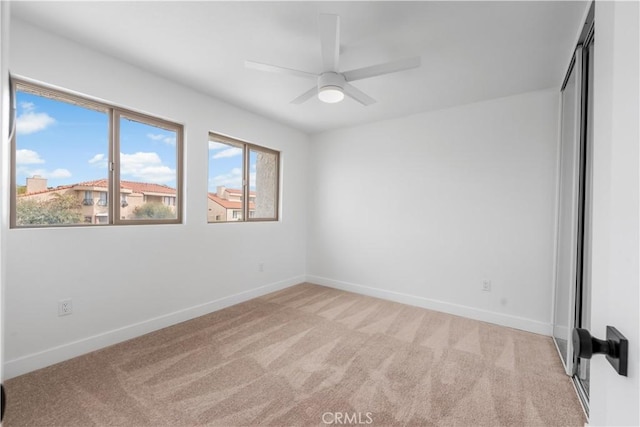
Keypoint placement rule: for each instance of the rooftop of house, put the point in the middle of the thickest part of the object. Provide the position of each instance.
(237, 191)
(132, 186)
(228, 204)
(126, 187)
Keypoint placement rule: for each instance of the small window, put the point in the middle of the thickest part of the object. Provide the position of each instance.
(88, 198)
(62, 169)
(243, 181)
(104, 199)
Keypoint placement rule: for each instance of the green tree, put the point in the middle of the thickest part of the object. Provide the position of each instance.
(60, 209)
(153, 211)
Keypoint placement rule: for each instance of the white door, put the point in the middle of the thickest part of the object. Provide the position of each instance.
(615, 261)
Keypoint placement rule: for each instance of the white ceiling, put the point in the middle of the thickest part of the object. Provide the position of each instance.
(470, 51)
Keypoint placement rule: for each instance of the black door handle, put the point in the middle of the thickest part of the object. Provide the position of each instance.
(615, 347)
(3, 401)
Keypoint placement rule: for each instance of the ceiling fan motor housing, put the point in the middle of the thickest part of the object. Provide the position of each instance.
(329, 79)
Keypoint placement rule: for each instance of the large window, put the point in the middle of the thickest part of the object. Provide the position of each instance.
(72, 155)
(243, 181)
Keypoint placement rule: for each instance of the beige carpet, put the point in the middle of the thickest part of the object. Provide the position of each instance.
(307, 355)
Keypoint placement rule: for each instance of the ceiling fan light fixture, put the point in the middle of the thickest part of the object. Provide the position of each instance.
(332, 86)
(330, 94)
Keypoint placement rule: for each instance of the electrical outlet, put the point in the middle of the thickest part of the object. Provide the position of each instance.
(486, 285)
(261, 267)
(65, 307)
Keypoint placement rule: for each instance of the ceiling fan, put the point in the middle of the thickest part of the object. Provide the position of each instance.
(332, 85)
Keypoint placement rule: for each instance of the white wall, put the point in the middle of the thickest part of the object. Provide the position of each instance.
(4, 155)
(616, 212)
(422, 209)
(148, 272)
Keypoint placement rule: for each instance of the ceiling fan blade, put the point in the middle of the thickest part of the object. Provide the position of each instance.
(358, 95)
(330, 41)
(306, 96)
(380, 69)
(275, 69)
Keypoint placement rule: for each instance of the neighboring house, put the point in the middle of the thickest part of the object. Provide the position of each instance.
(94, 196)
(226, 205)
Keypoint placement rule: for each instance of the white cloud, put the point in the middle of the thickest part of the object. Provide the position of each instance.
(229, 152)
(129, 163)
(27, 106)
(27, 123)
(157, 174)
(169, 140)
(155, 137)
(146, 167)
(30, 122)
(232, 179)
(27, 157)
(56, 173)
(213, 145)
(98, 158)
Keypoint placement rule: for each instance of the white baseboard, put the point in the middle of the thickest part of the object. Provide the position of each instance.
(31, 362)
(515, 322)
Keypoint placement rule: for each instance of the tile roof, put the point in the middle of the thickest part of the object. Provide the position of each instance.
(237, 191)
(228, 204)
(95, 183)
(145, 187)
(48, 190)
(135, 187)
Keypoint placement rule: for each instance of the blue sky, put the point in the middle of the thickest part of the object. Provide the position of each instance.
(225, 166)
(68, 144)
